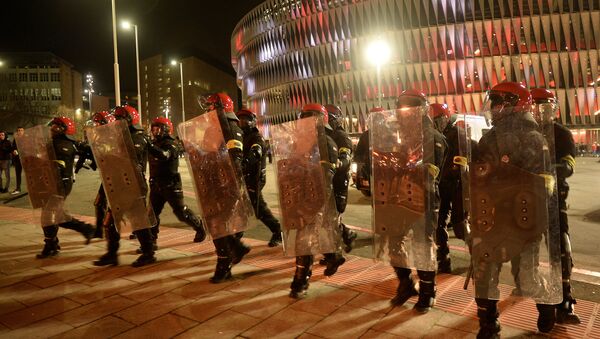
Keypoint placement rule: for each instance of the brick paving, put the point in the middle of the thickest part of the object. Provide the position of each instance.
(68, 297)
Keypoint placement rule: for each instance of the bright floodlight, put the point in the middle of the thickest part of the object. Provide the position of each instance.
(126, 24)
(378, 52)
(173, 62)
(1, 63)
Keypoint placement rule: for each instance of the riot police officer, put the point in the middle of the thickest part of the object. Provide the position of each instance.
(513, 145)
(434, 152)
(230, 249)
(62, 130)
(362, 156)
(450, 187)
(341, 177)
(144, 236)
(165, 181)
(255, 172)
(329, 159)
(546, 108)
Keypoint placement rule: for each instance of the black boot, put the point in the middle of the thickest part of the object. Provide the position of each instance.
(275, 240)
(107, 259)
(112, 245)
(84, 228)
(154, 231)
(348, 237)
(565, 312)
(334, 261)
(51, 247)
(546, 317)
(426, 291)
(223, 268)
(303, 272)
(238, 249)
(406, 287)
(147, 244)
(190, 218)
(489, 326)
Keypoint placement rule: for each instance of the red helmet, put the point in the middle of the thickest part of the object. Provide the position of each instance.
(67, 124)
(164, 123)
(546, 105)
(440, 110)
(513, 94)
(315, 109)
(102, 118)
(127, 113)
(246, 113)
(411, 98)
(220, 100)
(541, 95)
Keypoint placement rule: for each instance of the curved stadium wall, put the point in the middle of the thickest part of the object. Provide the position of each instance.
(290, 52)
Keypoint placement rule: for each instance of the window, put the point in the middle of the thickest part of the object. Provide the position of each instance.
(33, 77)
(54, 76)
(44, 77)
(12, 77)
(22, 76)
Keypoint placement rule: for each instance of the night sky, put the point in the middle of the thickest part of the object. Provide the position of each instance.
(80, 31)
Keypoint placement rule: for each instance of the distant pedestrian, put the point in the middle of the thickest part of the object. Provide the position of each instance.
(5, 155)
(16, 160)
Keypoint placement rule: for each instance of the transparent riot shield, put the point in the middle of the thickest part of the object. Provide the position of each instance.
(305, 191)
(403, 188)
(122, 179)
(470, 128)
(512, 204)
(220, 191)
(44, 183)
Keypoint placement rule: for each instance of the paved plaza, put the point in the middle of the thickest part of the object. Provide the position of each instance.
(68, 297)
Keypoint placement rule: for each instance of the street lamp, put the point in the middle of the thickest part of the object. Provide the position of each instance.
(89, 79)
(116, 64)
(127, 25)
(378, 53)
(1, 63)
(174, 63)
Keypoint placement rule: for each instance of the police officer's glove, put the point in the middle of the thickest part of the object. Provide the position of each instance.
(565, 167)
(550, 183)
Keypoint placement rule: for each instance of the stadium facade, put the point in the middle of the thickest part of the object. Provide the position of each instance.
(290, 52)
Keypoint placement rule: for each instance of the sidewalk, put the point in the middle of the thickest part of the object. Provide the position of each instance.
(68, 297)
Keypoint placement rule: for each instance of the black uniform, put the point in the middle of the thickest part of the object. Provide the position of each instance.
(255, 175)
(230, 249)
(165, 185)
(64, 150)
(341, 179)
(304, 263)
(451, 202)
(100, 203)
(565, 165)
(141, 145)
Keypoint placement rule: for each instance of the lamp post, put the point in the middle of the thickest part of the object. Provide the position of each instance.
(116, 64)
(127, 25)
(378, 53)
(89, 79)
(174, 63)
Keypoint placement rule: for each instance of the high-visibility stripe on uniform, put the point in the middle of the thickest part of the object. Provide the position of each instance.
(345, 150)
(569, 160)
(235, 144)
